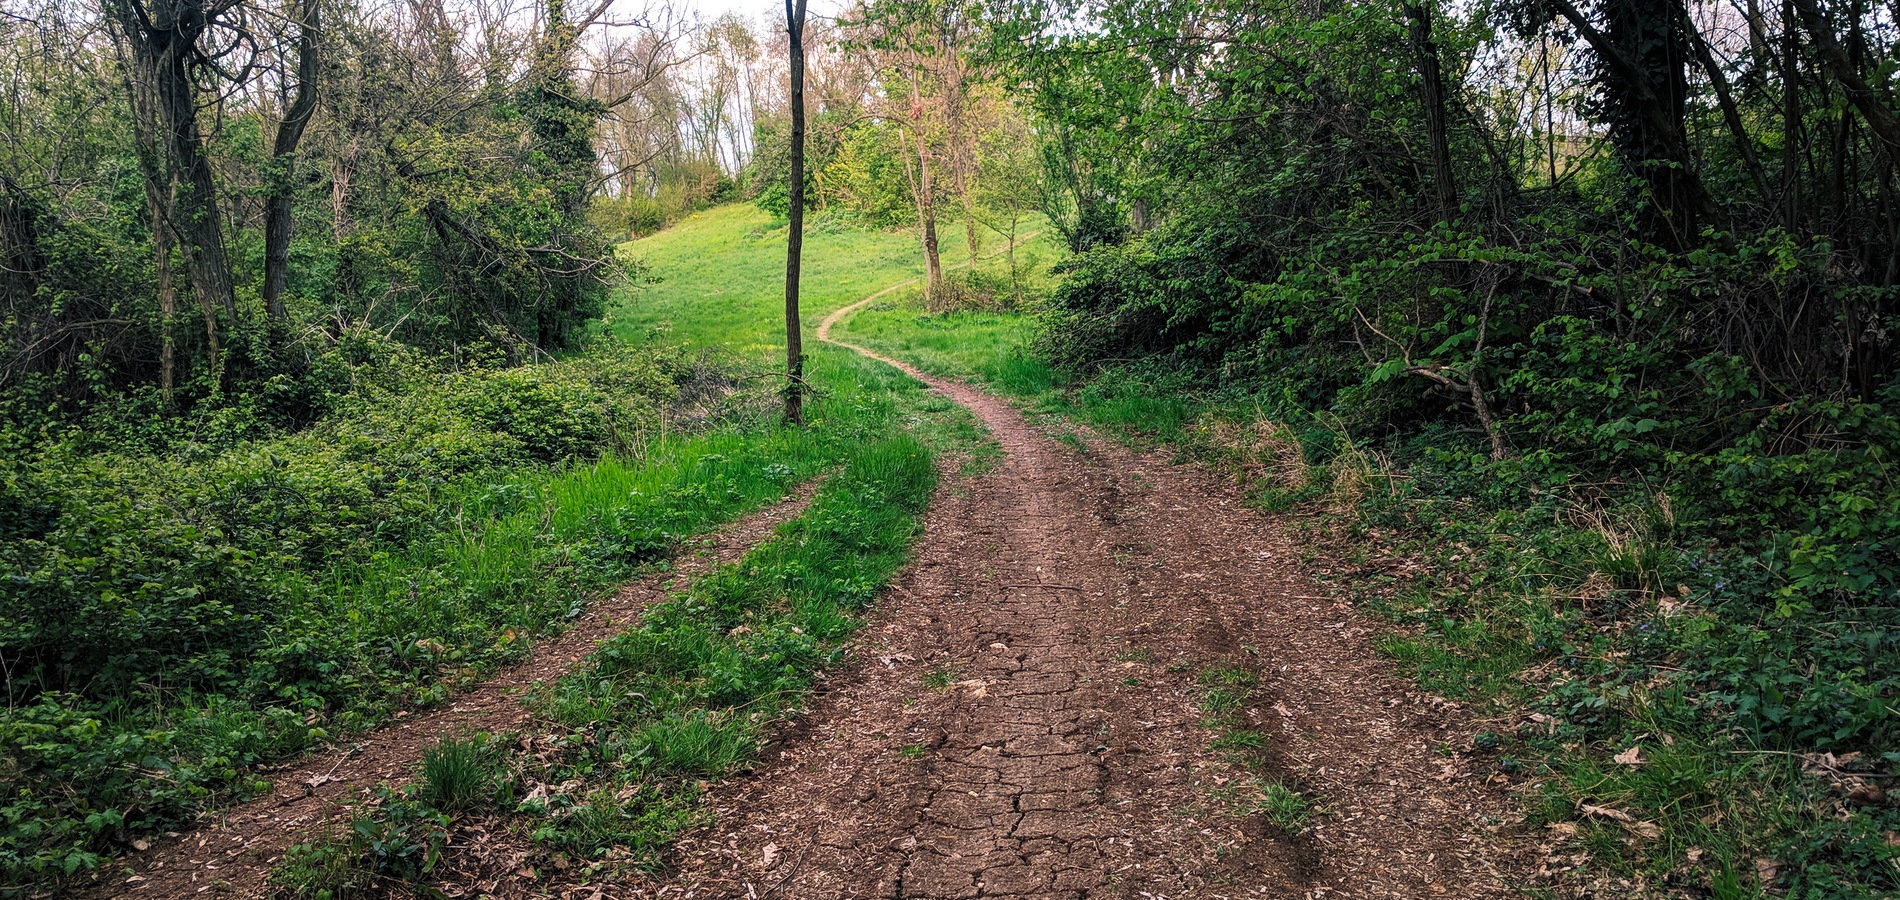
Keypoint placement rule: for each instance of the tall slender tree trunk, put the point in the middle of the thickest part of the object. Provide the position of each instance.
(282, 181)
(795, 237)
(195, 213)
(962, 164)
(167, 301)
(926, 203)
(967, 196)
(1433, 80)
(1790, 120)
(342, 172)
(164, 237)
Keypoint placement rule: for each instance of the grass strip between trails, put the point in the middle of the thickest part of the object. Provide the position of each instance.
(689, 694)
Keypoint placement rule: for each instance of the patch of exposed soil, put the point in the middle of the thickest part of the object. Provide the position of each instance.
(231, 854)
(1022, 716)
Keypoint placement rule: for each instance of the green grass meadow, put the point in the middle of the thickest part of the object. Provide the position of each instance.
(716, 280)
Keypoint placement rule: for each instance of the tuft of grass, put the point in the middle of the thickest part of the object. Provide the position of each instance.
(940, 679)
(698, 742)
(461, 773)
(1135, 654)
(1239, 740)
(1218, 702)
(1286, 808)
(1227, 689)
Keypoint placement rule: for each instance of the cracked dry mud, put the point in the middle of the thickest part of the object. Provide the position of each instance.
(1022, 717)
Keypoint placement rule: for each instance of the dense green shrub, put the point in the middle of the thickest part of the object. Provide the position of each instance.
(171, 570)
(1661, 515)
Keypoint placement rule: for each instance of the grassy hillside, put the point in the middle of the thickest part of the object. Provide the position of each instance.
(717, 279)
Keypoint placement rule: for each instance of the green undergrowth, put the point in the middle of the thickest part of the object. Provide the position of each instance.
(188, 601)
(1594, 617)
(624, 744)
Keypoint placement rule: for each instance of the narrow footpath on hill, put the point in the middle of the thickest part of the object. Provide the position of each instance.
(1024, 714)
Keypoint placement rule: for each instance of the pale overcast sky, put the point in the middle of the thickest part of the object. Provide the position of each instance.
(756, 10)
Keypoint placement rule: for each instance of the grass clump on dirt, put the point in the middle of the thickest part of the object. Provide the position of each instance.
(463, 772)
(1285, 807)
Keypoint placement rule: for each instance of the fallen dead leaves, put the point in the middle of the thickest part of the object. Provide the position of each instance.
(1847, 774)
(1645, 830)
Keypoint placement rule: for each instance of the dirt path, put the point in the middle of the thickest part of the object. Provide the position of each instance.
(1023, 718)
(231, 855)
